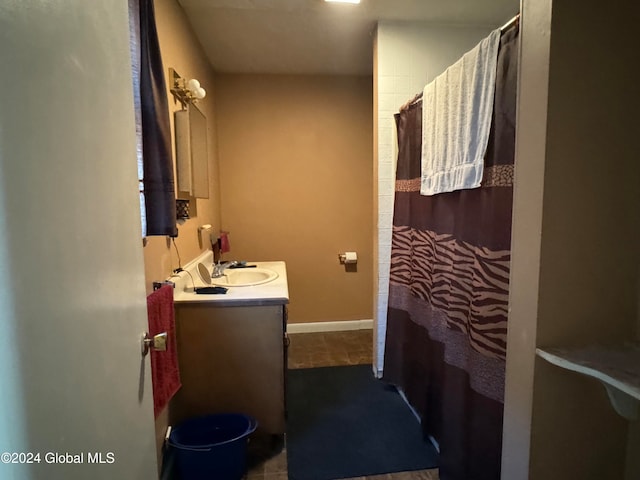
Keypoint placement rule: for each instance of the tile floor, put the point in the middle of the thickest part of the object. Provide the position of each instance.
(330, 349)
(310, 350)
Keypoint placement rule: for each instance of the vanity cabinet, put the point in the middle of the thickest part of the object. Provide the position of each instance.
(232, 359)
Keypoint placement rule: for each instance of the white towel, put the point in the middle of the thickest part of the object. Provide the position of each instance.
(456, 119)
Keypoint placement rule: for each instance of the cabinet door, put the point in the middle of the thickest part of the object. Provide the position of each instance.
(231, 360)
(285, 353)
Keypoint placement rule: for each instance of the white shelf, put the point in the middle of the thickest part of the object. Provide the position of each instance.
(618, 368)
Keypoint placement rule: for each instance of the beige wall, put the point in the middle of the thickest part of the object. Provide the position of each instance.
(576, 238)
(181, 51)
(296, 182)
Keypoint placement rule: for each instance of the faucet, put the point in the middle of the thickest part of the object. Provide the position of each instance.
(219, 268)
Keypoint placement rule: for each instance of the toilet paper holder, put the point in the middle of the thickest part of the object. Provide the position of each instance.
(348, 257)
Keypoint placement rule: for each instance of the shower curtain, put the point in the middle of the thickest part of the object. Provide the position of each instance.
(449, 286)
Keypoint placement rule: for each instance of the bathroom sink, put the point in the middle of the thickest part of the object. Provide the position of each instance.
(245, 277)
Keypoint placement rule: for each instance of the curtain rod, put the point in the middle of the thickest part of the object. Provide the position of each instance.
(510, 23)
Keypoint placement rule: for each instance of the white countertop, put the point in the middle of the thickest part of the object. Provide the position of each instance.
(275, 292)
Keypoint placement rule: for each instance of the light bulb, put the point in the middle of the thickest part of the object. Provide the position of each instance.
(200, 93)
(193, 85)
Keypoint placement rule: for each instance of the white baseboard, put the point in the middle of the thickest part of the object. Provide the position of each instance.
(342, 326)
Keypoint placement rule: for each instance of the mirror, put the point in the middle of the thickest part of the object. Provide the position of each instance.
(191, 152)
(204, 274)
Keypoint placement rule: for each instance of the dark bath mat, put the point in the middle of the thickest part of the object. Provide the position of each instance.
(342, 422)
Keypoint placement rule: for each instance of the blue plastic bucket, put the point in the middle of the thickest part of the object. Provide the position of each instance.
(212, 447)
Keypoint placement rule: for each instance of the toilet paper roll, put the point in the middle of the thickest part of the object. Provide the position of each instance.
(350, 257)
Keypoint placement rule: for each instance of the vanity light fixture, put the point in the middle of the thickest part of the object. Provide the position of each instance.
(185, 91)
(354, 2)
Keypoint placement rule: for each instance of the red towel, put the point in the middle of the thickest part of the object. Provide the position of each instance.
(224, 242)
(164, 365)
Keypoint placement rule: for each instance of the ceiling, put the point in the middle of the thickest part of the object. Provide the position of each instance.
(315, 37)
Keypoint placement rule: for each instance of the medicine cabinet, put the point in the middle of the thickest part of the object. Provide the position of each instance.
(191, 152)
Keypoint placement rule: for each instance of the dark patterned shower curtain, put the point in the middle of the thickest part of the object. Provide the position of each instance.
(449, 286)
